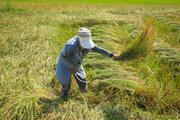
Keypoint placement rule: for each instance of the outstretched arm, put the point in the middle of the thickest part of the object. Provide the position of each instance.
(103, 52)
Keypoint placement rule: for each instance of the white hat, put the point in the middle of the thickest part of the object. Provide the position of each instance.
(85, 38)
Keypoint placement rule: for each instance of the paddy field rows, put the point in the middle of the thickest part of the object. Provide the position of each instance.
(142, 84)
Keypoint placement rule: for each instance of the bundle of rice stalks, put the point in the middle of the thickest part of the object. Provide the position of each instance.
(141, 46)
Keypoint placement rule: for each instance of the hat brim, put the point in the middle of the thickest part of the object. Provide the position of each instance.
(86, 42)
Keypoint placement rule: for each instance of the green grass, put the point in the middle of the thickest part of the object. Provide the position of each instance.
(141, 88)
(168, 29)
(108, 1)
(156, 73)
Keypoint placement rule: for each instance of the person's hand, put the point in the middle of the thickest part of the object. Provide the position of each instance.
(73, 69)
(115, 57)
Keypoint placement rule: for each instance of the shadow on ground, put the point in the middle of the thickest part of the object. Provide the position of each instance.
(50, 105)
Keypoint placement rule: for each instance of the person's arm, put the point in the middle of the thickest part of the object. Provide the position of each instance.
(66, 51)
(102, 51)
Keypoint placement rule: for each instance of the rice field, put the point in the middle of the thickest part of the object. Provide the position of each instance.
(105, 1)
(144, 84)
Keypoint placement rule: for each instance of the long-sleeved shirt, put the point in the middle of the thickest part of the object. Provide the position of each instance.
(70, 57)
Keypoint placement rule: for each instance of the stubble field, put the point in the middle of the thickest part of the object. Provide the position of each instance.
(144, 84)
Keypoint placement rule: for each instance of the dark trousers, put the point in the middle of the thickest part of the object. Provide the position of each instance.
(83, 86)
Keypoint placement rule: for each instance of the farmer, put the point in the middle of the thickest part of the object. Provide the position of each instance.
(71, 58)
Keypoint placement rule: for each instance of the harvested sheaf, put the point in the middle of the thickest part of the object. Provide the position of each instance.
(141, 46)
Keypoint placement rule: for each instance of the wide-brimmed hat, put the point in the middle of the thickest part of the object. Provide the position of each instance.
(85, 38)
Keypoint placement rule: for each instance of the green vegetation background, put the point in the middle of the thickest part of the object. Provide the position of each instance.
(106, 1)
(136, 87)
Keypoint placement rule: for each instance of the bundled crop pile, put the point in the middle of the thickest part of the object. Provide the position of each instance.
(141, 46)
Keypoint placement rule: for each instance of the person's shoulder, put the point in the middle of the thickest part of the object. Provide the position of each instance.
(73, 41)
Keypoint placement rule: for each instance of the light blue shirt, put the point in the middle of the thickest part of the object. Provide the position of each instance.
(70, 57)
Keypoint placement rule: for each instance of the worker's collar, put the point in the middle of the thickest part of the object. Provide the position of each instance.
(80, 47)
